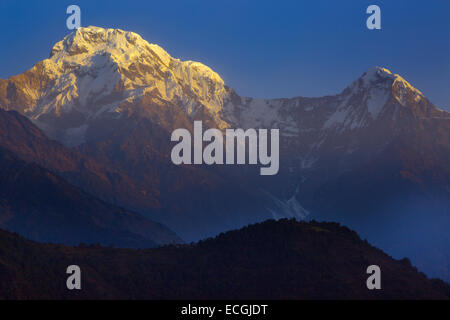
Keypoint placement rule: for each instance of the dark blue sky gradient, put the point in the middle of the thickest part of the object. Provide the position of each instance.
(260, 48)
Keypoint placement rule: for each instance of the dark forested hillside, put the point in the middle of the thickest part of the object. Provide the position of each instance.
(42, 206)
(271, 260)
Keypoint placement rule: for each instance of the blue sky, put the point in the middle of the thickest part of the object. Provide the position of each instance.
(260, 48)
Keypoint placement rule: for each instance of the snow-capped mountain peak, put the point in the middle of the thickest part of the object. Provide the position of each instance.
(96, 73)
(93, 71)
(91, 39)
(379, 78)
(375, 74)
(377, 92)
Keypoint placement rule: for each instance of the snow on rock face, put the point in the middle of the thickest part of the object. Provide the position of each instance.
(94, 73)
(366, 99)
(363, 102)
(377, 100)
(376, 74)
(382, 78)
(94, 67)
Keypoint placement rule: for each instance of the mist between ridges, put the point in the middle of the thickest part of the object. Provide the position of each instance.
(238, 144)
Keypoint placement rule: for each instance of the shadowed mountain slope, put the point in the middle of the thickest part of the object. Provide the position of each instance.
(42, 206)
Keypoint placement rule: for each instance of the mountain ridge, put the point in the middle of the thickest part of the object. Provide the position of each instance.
(112, 68)
(270, 260)
(44, 207)
(374, 156)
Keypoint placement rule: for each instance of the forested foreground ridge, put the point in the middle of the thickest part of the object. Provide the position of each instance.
(282, 259)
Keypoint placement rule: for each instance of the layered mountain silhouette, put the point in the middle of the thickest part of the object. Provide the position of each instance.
(271, 260)
(22, 137)
(375, 156)
(41, 205)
